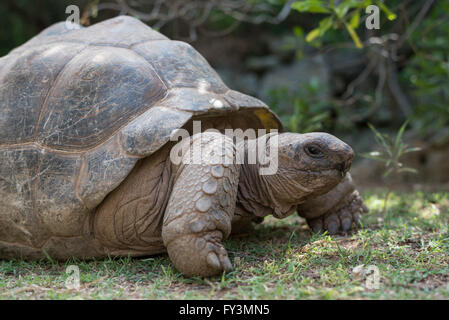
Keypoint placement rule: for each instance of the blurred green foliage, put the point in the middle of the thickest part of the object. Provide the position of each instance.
(392, 150)
(391, 153)
(20, 20)
(424, 57)
(340, 14)
(427, 71)
(14, 30)
(422, 61)
(310, 112)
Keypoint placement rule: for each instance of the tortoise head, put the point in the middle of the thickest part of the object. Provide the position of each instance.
(309, 165)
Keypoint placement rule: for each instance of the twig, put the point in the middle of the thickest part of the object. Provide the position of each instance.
(195, 13)
(396, 90)
(415, 23)
(359, 80)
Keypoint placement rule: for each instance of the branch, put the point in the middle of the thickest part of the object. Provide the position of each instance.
(415, 23)
(195, 13)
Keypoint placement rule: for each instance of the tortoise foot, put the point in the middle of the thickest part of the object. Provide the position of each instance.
(342, 218)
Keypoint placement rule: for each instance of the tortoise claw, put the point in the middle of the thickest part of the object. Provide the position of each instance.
(219, 262)
(341, 219)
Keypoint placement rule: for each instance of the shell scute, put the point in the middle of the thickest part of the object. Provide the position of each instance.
(98, 92)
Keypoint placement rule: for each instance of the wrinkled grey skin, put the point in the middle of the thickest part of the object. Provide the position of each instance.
(85, 171)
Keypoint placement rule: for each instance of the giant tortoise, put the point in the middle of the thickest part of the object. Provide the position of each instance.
(87, 118)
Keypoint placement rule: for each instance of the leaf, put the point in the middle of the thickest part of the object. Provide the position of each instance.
(400, 134)
(355, 19)
(388, 172)
(373, 155)
(319, 117)
(410, 170)
(312, 6)
(313, 34)
(325, 24)
(345, 5)
(298, 31)
(390, 15)
(343, 8)
(379, 137)
(400, 150)
(413, 149)
(354, 36)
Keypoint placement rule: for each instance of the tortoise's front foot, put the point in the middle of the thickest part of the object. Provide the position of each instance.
(202, 255)
(336, 211)
(343, 217)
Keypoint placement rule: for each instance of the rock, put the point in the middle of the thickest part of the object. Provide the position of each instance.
(345, 62)
(358, 273)
(432, 160)
(246, 82)
(262, 64)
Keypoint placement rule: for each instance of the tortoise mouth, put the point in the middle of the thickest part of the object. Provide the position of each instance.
(325, 180)
(337, 173)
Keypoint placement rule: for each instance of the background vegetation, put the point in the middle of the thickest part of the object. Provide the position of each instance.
(404, 64)
(356, 75)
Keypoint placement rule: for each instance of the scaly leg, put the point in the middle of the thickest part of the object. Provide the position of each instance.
(200, 210)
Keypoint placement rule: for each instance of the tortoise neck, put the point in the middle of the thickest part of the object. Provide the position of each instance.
(251, 194)
(257, 193)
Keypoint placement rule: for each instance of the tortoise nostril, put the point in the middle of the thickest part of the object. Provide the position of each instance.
(344, 166)
(340, 166)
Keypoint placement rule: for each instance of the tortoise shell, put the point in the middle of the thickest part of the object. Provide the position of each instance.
(79, 108)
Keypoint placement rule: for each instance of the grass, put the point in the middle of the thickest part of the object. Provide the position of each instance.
(281, 260)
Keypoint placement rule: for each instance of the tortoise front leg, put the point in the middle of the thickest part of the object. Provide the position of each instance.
(336, 211)
(199, 213)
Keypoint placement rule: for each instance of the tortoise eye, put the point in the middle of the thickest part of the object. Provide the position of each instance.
(314, 151)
